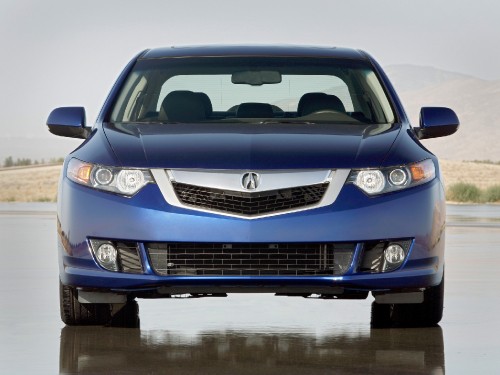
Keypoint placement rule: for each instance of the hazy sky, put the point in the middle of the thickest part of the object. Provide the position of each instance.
(62, 53)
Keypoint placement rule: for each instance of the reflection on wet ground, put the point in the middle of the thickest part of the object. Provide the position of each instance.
(247, 334)
(473, 215)
(104, 351)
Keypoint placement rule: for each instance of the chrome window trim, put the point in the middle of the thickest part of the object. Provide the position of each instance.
(231, 180)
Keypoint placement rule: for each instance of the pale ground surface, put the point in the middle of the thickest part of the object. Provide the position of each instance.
(39, 184)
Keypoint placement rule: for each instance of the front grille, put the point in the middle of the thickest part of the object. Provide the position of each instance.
(256, 259)
(249, 204)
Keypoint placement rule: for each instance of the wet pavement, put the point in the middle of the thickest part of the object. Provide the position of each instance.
(247, 334)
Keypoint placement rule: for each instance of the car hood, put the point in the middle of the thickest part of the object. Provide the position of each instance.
(250, 146)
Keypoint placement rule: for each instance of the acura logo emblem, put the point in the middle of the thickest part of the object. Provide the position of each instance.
(250, 180)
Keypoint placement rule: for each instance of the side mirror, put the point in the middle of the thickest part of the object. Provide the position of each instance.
(68, 122)
(437, 122)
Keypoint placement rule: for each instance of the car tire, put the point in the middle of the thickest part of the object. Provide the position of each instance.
(74, 313)
(426, 314)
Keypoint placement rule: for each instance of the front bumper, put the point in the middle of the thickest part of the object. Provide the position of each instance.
(416, 213)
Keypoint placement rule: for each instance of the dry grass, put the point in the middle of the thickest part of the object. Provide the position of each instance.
(36, 184)
(39, 184)
(480, 174)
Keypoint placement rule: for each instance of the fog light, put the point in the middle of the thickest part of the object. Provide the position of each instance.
(394, 254)
(106, 255)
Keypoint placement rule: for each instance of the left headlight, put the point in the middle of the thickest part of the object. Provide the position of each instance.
(385, 180)
(124, 181)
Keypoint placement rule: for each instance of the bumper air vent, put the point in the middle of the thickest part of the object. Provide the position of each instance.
(253, 259)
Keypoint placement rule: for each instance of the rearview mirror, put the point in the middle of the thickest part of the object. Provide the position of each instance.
(437, 122)
(68, 122)
(256, 77)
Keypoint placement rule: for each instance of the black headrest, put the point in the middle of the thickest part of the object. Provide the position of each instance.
(314, 102)
(183, 106)
(307, 97)
(254, 110)
(206, 102)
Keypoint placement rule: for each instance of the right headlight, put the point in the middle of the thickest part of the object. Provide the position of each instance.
(123, 181)
(385, 180)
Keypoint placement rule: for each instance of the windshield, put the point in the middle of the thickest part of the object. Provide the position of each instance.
(252, 90)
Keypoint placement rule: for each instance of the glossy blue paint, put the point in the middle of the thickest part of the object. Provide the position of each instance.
(410, 214)
(270, 147)
(420, 277)
(416, 213)
(147, 217)
(96, 149)
(437, 122)
(431, 117)
(67, 116)
(252, 50)
(406, 149)
(67, 122)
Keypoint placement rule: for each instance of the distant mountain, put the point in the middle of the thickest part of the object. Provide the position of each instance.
(476, 102)
(406, 77)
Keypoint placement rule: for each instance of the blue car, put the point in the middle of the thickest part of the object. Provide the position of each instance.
(251, 169)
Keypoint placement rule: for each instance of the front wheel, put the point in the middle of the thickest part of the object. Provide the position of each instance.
(426, 314)
(74, 313)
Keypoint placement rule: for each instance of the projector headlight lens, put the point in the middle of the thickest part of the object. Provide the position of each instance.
(397, 177)
(103, 176)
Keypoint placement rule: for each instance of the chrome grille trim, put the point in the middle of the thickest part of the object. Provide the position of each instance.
(231, 181)
(250, 204)
(250, 259)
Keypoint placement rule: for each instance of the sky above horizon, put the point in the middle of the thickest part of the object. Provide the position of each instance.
(64, 53)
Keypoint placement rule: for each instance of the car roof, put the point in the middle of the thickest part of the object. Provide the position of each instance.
(252, 50)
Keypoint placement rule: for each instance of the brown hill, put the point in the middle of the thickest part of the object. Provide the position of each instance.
(476, 102)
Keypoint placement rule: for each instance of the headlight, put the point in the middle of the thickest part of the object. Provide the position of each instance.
(122, 181)
(379, 181)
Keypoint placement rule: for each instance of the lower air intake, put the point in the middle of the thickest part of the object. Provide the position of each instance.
(255, 259)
